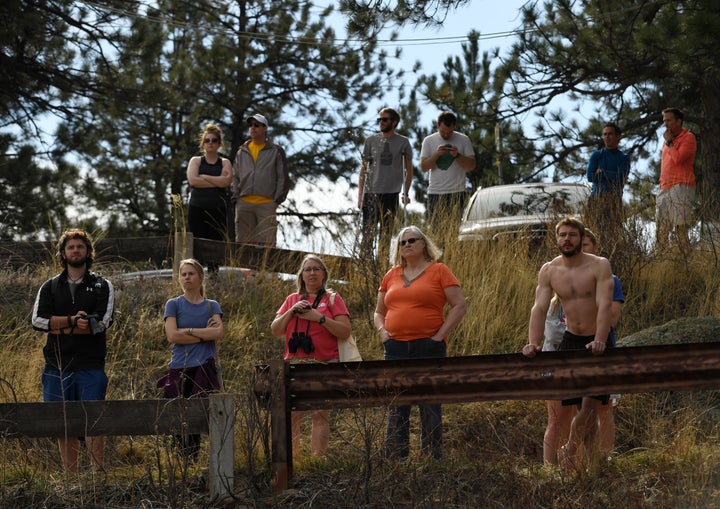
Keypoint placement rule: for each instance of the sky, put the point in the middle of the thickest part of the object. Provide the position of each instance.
(430, 47)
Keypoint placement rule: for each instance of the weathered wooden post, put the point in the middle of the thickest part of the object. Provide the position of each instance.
(222, 445)
(182, 248)
(183, 239)
(214, 415)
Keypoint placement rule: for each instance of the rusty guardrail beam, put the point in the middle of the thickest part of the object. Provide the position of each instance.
(551, 375)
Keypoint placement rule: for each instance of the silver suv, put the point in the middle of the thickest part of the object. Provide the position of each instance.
(520, 210)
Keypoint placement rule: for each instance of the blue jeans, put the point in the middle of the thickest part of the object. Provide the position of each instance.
(85, 385)
(397, 444)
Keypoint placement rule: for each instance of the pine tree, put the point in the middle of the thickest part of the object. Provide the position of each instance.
(631, 60)
(183, 64)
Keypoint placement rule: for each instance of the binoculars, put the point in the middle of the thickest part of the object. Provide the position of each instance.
(300, 340)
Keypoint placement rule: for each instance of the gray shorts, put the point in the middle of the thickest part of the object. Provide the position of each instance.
(674, 206)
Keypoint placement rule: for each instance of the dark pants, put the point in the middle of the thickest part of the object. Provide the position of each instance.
(397, 444)
(378, 216)
(209, 224)
(197, 381)
(572, 341)
(445, 206)
(605, 216)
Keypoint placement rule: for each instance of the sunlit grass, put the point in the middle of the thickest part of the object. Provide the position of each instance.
(667, 452)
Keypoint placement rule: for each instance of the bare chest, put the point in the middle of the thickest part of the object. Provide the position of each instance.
(573, 284)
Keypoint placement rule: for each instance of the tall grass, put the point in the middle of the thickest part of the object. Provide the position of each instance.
(667, 454)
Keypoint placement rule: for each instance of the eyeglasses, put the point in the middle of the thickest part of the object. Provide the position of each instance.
(307, 270)
(211, 140)
(411, 240)
(447, 122)
(384, 119)
(256, 125)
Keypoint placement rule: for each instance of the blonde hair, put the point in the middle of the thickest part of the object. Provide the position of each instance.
(198, 267)
(301, 283)
(431, 252)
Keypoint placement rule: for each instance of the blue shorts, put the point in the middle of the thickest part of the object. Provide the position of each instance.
(87, 385)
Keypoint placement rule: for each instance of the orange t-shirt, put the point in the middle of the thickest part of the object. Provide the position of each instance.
(416, 310)
(677, 161)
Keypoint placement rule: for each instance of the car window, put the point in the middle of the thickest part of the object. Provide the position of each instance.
(526, 201)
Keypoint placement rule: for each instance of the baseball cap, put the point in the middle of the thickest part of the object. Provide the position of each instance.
(258, 118)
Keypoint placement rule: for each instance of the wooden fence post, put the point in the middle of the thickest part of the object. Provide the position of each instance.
(182, 248)
(222, 445)
(214, 415)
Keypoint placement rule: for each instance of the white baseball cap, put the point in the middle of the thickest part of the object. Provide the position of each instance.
(259, 118)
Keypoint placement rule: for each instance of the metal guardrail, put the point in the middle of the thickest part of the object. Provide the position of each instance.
(551, 375)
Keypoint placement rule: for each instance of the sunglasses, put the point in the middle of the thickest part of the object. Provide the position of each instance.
(411, 240)
(384, 119)
(313, 269)
(211, 140)
(75, 233)
(256, 125)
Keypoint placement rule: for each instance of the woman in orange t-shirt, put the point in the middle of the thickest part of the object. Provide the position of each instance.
(410, 317)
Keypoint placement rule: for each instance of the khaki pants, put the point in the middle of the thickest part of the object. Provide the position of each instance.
(256, 223)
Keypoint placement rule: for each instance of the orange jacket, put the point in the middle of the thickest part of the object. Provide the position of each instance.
(677, 161)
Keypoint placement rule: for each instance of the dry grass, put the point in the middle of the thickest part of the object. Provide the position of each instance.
(668, 452)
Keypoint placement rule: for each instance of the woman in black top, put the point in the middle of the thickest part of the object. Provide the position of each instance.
(209, 175)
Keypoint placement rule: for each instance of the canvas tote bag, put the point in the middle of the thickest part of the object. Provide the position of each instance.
(347, 347)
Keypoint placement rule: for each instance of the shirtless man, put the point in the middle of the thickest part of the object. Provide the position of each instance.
(584, 284)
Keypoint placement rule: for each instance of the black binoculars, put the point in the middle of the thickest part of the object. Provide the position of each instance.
(300, 340)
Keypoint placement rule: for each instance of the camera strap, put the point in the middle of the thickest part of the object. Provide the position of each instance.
(314, 306)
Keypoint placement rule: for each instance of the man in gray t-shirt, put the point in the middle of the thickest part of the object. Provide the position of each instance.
(386, 170)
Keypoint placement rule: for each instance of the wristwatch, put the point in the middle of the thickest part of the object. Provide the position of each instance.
(322, 320)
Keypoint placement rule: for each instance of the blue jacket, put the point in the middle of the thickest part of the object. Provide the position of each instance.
(615, 166)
